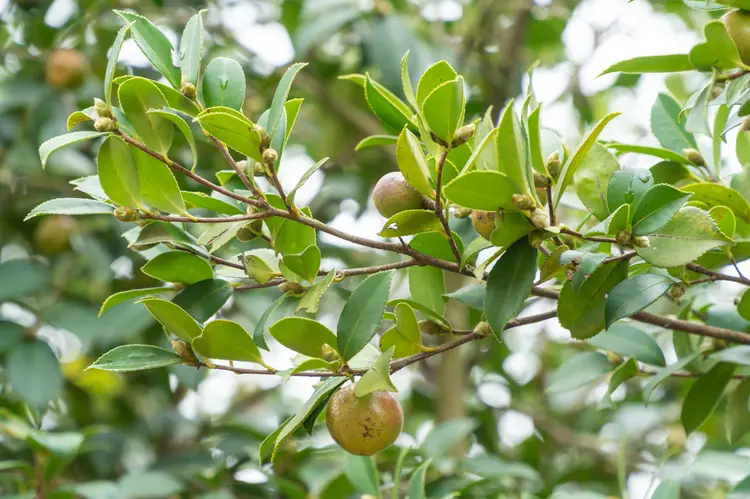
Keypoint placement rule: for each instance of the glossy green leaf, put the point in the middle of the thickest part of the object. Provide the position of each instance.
(509, 284)
(624, 372)
(671, 63)
(627, 340)
(34, 373)
(227, 340)
(305, 177)
(138, 95)
(411, 222)
(376, 140)
(618, 220)
(482, 190)
(202, 200)
(305, 264)
(191, 49)
(280, 96)
(311, 299)
(127, 358)
(628, 187)
(259, 332)
(719, 195)
(203, 299)
(665, 374)
(70, 206)
(582, 312)
(131, 294)
(666, 125)
(155, 46)
(738, 412)
(114, 55)
(718, 51)
(588, 263)
(633, 295)
(303, 335)
(404, 337)
(118, 174)
(182, 126)
(415, 489)
(378, 377)
(657, 152)
(178, 266)
(439, 73)
(427, 286)
(443, 109)
(157, 184)
(293, 238)
(509, 228)
(412, 163)
(362, 313)
(592, 179)
(689, 234)
(235, 131)
(574, 162)
(55, 143)
(224, 84)
(657, 206)
(389, 109)
(174, 318)
(510, 150)
(704, 396)
(175, 99)
(578, 371)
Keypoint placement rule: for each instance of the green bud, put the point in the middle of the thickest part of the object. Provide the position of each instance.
(242, 165)
(623, 237)
(539, 218)
(185, 352)
(461, 212)
(541, 180)
(678, 290)
(291, 287)
(259, 170)
(641, 241)
(522, 202)
(105, 125)
(463, 135)
(102, 109)
(187, 89)
(327, 352)
(694, 156)
(483, 328)
(126, 214)
(553, 164)
(265, 139)
(270, 156)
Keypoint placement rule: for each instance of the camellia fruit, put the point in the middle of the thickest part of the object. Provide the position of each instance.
(392, 194)
(66, 68)
(364, 425)
(52, 235)
(737, 23)
(484, 223)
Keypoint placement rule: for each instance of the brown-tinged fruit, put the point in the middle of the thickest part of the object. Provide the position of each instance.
(52, 235)
(484, 222)
(364, 425)
(66, 68)
(392, 194)
(737, 23)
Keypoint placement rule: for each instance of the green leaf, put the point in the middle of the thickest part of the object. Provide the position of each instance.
(376, 140)
(415, 490)
(237, 133)
(582, 312)
(138, 95)
(665, 373)
(55, 143)
(175, 99)
(535, 142)
(724, 219)
(135, 358)
(510, 150)
(571, 165)
(666, 126)
(70, 206)
(293, 238)
(578, 371)
(311, 299)
(720, 121)
(669, 172)
(589, 262)
(174, 318)
(633, 295)
(657, 152)
(509, 228)
(671, 63)
(157, 183)
(34, 372)
(203, 299)
(321, 394)
(411, 222)
(268, 443)
(704, 396)
(378, 377)
(719, 195)
(436, 75)
(657, 206)
(62, 444)
(624, 372)
(424, 310)
(738, 412)
(227, 340)
(592, 179)
(118, 173)
(427, 286)
(443, 109)
(614, 223)
(261, 269)
(552, 265)
(182, 126)
(155, 46)
(718, 51)
(114, 54)
(509, 284)
(404, 337)
(628, 187)
(362, 473)
(178, 266)
(411, 97)
(191, 49)
(77, 117)
(305, 264)
(482, 190)
(311, 365)
(689, 234)
(202, 200)
(305, 177)
(303, 335)
(280, 96)
(627, 340)
(259, 333)
(389, 109)
(131, 294)
(160, 232)
(362, 314)
(479, 151)
(224, 83)
(412, 163)
(697, 121)
(26, 276)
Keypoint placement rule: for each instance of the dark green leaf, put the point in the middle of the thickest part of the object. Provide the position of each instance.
(362, 314)
(629, 341)
(135, 358)
(581, 370)
(155, 46)
(704, 396)
(657, 206)
(34, 372)
(203, 299)
(633, 295)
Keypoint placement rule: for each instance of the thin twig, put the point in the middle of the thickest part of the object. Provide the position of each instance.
(681, 374)
(597, 239)
(243, 177)
(716, 276)
(207, 220)
(277, 184)
(439, 205)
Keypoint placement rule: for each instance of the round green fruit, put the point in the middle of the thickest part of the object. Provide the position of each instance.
(52, 235)
(392, 194)
(364, 425)
(484, 222)
(737, 23)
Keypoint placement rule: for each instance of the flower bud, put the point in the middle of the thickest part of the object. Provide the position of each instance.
(327, 352)
(483, 328)
(291, 287)
(185, 352)
(541, 180)
(553, 164)
(460, 212)
(678, 290)
(539, 218)
(270, 156)
(105, 125)
(259, 170)
(265, 139)
(641, 241)
(126, 214)
(242, 165)
(463, 135)
(187, 89)
(522, 202)
(623, 237)
(694, 156)
(102, 109)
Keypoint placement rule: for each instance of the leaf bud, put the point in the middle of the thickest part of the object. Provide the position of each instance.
(259, 170)
(463, 135)
(623, 237)
(291, 287)
(126, 214)
(433, 328)
(461, 212)
(522, 202)
(185, 352)
(553, 164)
(242, 165)
(105, 125)
(539, 218)
(678, 290)
(270, 156)
(614, 358)
(102, 109)
(265, 139)
(641, 241)
(187, 89)
(541, 180)
(694, 156)
(483, 328)
(327, 352)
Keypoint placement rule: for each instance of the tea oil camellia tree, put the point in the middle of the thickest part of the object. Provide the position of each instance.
(650, 235)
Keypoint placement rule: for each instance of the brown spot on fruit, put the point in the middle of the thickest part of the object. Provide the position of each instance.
(364, 425)
(484, 222)
(66, 68)
(392, 194)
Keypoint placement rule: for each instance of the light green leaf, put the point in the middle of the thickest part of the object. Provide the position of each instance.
(666, 126)
(362, 474)
(305, 264)
(411, 222)
(175, 99)
(535, 143)
(704, 396)
(127, 358)
(70, 206)
(510, 150)
(376, 140)
(305, 177)
(718, 51)
(436, 75)
(697, 121)
(77, 117)
(280, 96)
(34, 373)
(657, 152)
(155, 45)
(303, 335)
(227, 340)
(443, 109)
(389, 109)
(178, 266)
(404, 337)
(718, 195)
(427, 286)
(581, 370)
(236, 132)
(311, 299)
(671, 63)
(131, 294)
(627, 340)
(738, 412)
(55, 143)
(633, 295)
(182, 126)
(118, 173)
(174, 318)
(157, 183)
(509, 228)
(592, 179)
(482, 190)
(138, 95)
(378, 377)
(114, 54)
(224, 84)
(657, 206)
(362, 314)
(203, 200)
(424, 310)
(191, 49)
(412, 163)
(292, 237)
(724, 219)
(665, 373)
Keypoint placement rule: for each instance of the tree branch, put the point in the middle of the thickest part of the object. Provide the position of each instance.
(207, 220)
(439, 205)
(243, 177)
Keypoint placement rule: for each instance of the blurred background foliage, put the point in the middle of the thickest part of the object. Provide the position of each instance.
(481, 414)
